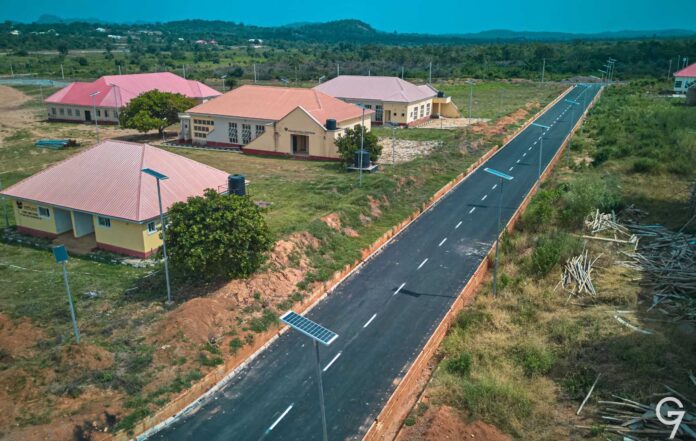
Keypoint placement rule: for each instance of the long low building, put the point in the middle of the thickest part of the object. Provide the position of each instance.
(101, 197)
(392, 99)
(684, 78)
(76, 103)
(290, 121)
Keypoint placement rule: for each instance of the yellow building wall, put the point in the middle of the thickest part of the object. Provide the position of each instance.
(28, 217)
(130, 236)
(151, 241)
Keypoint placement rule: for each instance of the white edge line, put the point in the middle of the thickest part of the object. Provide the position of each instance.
(443, 241)
(369, 321)
(399, 289)
(326, 368)
(275, 423)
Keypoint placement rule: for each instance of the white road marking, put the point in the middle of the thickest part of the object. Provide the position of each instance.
(326, 368)
(511, 168)
(524, 154)
(370, 321)
(484, 197)
(518, 161)
(472, 210)
(422, 263)
(275, 423)
(530, 147)
(460, 222)
(399, 289)
(493, 187)
(443, 241)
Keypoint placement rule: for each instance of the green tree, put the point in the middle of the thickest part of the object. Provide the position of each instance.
(154, 110)
(349, 142)
(217, 235)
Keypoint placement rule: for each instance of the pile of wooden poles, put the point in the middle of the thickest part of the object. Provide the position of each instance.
(577, 275)
(612, 230)
(667, 260)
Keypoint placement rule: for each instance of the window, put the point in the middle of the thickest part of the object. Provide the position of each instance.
(259, 131)
(379, 112)
(232, 133)
(151, 227)
(77, 112)
(53, 110)
(44, 212)
(246, 133)
(62, 111)
(422, 111)
(98, 112)
(427, 109)
(677, 84)
(106, 114)
(70, 112)
(104, 222)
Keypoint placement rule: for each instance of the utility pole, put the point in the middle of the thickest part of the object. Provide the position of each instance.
(4, 209)
(254, 73)
(669, 70)
(338, 69)
(11, 71)
(402, 72)
(430, 73)
(119, 69)
(62, 73)
(183, 70)
(543, 70)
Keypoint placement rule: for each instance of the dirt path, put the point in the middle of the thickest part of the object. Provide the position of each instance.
(15, 116)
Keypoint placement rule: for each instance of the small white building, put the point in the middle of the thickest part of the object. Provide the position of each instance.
(685, 78)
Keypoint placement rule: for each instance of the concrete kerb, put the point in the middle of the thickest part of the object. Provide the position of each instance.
(407, 393)
(190, 400)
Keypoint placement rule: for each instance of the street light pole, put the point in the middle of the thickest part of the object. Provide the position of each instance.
(61, 256)
(159, 177)
(362, 144)
(94, 109)
(320, 385)
(544, 129)
(471, 98)
(503, 177)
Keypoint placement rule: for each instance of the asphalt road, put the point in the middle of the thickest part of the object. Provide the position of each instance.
(384, 313)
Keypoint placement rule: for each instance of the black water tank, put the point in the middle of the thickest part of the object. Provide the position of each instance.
(330, 124)
(236, 185)
(362, 159)
(441, 94)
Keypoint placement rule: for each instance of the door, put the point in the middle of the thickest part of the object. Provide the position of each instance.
(387, 116)
(88, 115)
(300, 144)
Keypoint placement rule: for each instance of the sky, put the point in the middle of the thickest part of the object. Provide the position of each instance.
(443, 16)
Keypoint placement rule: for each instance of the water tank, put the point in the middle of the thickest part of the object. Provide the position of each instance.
(362, 159)
(440, 94)
(330, 124)
(236, 185)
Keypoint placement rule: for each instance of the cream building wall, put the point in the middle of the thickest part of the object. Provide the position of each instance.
(65, 112)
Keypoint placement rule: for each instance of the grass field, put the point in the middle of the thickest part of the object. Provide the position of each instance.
(524, 360)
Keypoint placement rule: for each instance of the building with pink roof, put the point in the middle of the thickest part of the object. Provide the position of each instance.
(685, 78)
(101, 196)
(75, 103)
(392, 99)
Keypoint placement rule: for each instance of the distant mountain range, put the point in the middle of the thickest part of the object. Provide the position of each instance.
(361, 32)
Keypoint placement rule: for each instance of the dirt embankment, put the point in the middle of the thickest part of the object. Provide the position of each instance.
(442, 423)
(502, 124)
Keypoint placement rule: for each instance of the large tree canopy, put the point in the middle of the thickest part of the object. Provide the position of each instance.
(217, 236)
(154, 110)
(349, 142)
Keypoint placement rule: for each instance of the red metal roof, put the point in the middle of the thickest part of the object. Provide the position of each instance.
(107, 180)
(376, 88)
(273, 103)
(688, 71)
(118, 90)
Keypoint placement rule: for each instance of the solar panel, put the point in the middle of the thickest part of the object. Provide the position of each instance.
(309, 328)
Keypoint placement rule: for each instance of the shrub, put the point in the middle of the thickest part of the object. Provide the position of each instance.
(261, 324)
(533, 359)
(459, 365)
(550, 249)
(645, 165)
(584, 195)
(235, 345)
(539, 214)
(349, 142)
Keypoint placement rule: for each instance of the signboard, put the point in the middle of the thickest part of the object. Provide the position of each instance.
(27, 210)
(60, 253)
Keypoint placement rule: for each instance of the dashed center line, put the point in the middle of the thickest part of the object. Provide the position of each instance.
(472, 210)
(282, 415)
(422, 263)
(460, 222)
(511, 168)
(399, 289)
(369, 321)
(518, 161)
(530, 147)
(524, 154)
(441, 242)
(484, 197)
(326, 368)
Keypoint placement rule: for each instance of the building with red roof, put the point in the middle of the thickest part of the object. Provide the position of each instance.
(101, 195)
(289, 121)
(75, 102)
(685, 78)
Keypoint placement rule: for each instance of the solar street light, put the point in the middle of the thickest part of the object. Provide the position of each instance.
(544, 129)
(94, 108)
(160, 177)
(575, 105)
(503, 177)
(318, 334)
(61, 255)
